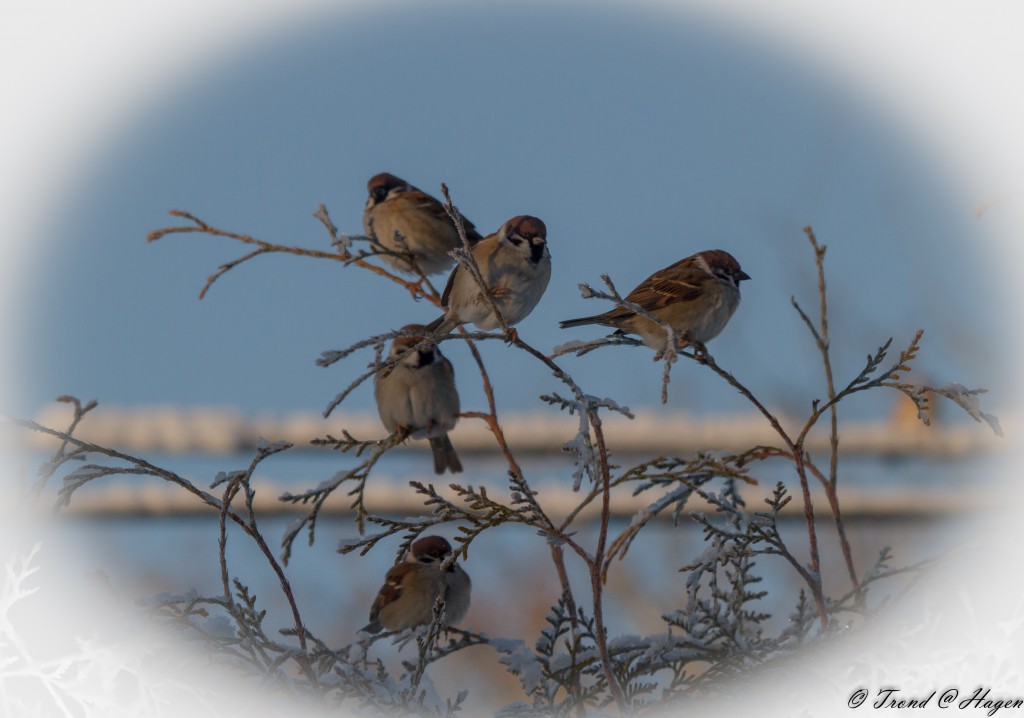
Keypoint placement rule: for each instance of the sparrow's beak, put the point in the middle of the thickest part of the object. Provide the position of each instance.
(741, 275)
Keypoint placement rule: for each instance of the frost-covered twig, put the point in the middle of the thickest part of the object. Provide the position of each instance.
(966, 399)
(466, 261)
(318, 496)
(342, 244)
(141, 467)
(822, 341)
(62, 454)
(240, 482)
(682, 479)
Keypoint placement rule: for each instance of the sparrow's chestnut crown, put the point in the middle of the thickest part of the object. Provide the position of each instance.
(403, 343)
(380, 184)
(722, 260)
(527, 227)
(430, 549)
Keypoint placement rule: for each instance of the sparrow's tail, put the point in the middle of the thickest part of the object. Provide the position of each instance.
(596, 319)
(444, 455)
(371, 627)
(441, 325)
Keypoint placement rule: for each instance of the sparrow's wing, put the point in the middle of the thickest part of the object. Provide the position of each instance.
(481, 249)
(681, 282)
(447, 292)
(391, 591)
(448, 372)
(423, 202)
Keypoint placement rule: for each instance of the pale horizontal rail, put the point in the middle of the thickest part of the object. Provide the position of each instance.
(388, 496)
(223, 431)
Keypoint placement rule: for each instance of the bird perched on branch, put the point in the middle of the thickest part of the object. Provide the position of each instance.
(695, 296)
(418, 397)
(410, 589)
(412, 224)
(515, 266)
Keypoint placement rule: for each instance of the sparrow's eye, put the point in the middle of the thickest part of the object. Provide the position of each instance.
(515, 240)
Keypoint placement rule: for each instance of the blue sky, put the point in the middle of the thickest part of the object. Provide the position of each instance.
(639, 138)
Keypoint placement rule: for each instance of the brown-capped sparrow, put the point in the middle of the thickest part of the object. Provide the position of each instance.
(428, 233)
(515, 265)
(418, 397)
(410, 589)
(695, 296)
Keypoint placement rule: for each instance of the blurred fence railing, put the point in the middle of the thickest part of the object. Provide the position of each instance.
(222, 431)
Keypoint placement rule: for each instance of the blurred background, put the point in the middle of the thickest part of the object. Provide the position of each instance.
(639, 137)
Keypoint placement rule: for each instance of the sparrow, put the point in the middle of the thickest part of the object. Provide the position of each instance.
(418, 397)
(515, 265)
(410, 589)
(395, 206)
(695, 296)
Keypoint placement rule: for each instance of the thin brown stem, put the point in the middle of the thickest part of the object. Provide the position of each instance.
(558, 558)
(263, 247)
(254, 645)
(596, 584)
(468, 262)
(830, 493)
(825, 345)
(797, 452)
(60, 455)
(494, 425)
(821, 337)
(812, 534)
(844, 542)
(492, 416)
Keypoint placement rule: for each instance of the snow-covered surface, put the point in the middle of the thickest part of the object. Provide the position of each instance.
(212, 430)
